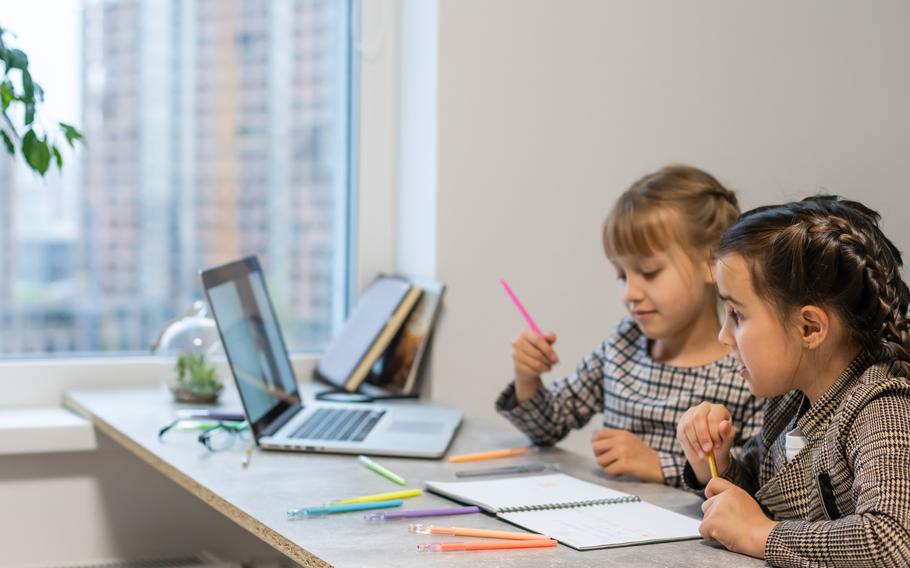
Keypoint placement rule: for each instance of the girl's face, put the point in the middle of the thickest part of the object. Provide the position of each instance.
(666, 292)
(769, 352)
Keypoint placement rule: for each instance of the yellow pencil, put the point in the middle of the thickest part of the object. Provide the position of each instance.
(379, 497)
(713, 463)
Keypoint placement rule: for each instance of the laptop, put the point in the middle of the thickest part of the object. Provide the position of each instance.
(278, 417)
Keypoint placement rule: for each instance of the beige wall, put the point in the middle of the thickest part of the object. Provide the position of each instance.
(548, 110)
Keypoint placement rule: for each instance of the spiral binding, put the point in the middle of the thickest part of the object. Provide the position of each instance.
(572, 504)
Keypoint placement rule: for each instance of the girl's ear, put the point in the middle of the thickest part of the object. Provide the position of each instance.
(814, 326)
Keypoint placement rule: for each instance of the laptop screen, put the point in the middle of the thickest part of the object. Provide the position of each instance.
(252, 339)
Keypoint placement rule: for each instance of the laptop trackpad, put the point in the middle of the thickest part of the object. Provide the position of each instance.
(415, 427)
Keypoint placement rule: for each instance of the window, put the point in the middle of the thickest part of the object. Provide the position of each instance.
(214, 129)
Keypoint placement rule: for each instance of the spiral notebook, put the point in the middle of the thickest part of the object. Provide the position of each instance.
(579, 514)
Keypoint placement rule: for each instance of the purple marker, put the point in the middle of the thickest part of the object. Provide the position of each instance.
(390, 515)
(202, 414)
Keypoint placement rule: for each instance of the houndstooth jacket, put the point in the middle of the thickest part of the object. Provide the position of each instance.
(635, 393)
(844, 499)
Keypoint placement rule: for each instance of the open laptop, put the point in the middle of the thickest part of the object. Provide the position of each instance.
(271, 399)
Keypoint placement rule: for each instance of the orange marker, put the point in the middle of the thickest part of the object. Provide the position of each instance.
(485, 545)
(713, 464)
(511, 452)
(459, 531)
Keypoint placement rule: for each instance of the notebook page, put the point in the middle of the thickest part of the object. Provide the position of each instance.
(601, 526)
(498, 494)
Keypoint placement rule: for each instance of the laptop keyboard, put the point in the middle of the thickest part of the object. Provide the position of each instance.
(343, 424)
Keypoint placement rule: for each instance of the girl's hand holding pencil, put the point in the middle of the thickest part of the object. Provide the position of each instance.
(706, 431)
(533, 355)
(734, 518)
(532, 352)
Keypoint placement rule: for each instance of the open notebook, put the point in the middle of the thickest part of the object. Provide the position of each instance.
(574, 512)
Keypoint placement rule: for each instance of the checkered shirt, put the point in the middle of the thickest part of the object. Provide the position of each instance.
(844, 499)
(635, 393)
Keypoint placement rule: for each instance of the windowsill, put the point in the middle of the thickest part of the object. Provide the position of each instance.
(32, 419)
(44, 430)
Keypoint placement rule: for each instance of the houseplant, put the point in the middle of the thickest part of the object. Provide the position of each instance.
(20, 99)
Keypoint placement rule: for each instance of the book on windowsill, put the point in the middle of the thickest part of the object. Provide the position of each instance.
(400, 367)
(579, 514)
(369, 330)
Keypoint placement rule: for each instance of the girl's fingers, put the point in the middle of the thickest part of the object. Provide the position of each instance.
(717, 414)
(607, 458)
(692, 440)
(541, 344)
(728, 434)
(529, 364)
(708, 503)
(531, 353)
(532, 346)
(704, 443)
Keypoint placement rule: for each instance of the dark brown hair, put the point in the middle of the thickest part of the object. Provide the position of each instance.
(829, 252)
(676, 204)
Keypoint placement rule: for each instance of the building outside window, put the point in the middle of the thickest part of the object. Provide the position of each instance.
(214, 129)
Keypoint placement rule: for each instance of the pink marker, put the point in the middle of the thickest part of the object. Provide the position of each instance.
(521, 308)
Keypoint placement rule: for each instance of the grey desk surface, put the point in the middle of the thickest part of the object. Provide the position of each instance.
(258, 497)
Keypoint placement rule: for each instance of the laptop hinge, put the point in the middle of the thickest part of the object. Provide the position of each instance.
(281, 420)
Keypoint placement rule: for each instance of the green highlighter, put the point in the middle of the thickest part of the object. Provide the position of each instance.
(371, 465)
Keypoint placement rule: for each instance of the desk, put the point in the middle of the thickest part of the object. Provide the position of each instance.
(257, 498)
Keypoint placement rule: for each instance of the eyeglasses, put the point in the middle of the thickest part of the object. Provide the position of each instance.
(215, 438)
(222, 436)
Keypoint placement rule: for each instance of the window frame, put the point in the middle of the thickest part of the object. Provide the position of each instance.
(368, 239)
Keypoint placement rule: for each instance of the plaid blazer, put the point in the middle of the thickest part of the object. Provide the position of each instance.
(844, 499)
(635, 393)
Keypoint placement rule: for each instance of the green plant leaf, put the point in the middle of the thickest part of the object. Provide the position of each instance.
(28, 87)
(16, 59)
(10, 147)
(57, 157)
(29, 113)
(6, 94)
(70, 132)
(37, 154)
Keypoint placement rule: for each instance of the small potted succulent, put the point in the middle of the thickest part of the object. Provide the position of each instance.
(189, 341)
(197, 380)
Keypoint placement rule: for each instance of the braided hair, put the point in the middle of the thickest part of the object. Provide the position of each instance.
(828, 251)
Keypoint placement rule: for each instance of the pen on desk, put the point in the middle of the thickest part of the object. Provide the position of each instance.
(484, 545)
(418, 513)
(511, 452)
(520, 307)
(713, 464)
(202, 414)
(462, 531)
(379, 497)
(509, 469)
(247, 456)
(373, 466)
(306, 512)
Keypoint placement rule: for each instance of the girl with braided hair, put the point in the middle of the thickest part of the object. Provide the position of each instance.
(817, 319)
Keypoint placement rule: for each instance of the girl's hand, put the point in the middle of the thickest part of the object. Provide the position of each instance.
(533, 355)
(704, 428)
(734, 519)
(619, 452)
